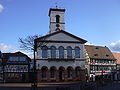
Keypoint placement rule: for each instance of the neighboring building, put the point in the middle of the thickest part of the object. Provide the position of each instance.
(100, 62)
(1, 67)
(61, 57)
(31, 71)
(117, 56)
(16, 67)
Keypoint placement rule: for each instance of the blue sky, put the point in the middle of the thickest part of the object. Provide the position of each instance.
(97, 21)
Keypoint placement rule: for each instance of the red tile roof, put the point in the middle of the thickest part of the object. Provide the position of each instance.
(117, 56)
(99, 52)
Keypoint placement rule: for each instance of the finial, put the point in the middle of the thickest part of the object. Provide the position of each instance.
(56, 5)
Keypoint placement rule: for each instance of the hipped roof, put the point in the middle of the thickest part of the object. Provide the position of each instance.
(117, 56)
(99, 52)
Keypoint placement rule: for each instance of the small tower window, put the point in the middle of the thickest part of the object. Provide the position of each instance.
(107, 55)
(57, 18)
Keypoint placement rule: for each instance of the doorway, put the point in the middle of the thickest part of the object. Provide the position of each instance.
(61, 73)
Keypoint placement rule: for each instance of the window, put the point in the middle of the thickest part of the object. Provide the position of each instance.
(13, 58)
(69, 52)
(44, 51)
(52, 72)
(53, 52)
(77, 52)
(95, 54)
(113, 61)
(10, 59)
(61, 52)
(91, 67)
(96, 48)
(22, 58)
(96, 68)
(77, 71)
(44, 72)
(69, 71)
(107, 55)
(57, 18)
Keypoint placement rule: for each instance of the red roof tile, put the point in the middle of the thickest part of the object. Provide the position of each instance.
(99, 52)
(117, 56)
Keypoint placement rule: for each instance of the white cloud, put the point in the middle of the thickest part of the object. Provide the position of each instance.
(115, 46)
(89, 43)
(6, 48)
(29, 54)
(1, 8)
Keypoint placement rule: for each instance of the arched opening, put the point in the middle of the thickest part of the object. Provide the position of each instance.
(44, 72)
(57, 18)
(53, 73)
(44, 51)
(69, 73)
(77, 72)
(53, 52)
(61, 73)
(69, 52)
(77, 52)
(61, 52)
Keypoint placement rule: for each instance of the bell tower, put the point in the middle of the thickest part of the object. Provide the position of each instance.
(56, 20)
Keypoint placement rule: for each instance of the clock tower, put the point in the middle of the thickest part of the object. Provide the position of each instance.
(56, 20)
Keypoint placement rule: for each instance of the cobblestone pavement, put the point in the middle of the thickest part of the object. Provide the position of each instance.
(61, 86)
(110, 86)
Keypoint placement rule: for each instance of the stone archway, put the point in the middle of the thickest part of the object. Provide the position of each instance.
(69, 73)
(77, 73)
(44, 71)
(61, 73)
(53, 71)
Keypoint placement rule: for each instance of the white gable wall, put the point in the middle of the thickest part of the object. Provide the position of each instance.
(61, 37)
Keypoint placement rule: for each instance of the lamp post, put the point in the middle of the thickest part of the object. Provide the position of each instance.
(34, 86)
(2, 64)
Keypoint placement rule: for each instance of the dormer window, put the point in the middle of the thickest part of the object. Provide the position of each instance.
(95, 54)
(57, 18)
(107, 55)
(96, 48)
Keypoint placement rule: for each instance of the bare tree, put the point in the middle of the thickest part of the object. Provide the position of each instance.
(28, 42)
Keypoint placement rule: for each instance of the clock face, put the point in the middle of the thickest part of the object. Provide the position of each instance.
(57, 25)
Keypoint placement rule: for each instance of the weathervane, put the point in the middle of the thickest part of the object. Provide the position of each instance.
(56, 5)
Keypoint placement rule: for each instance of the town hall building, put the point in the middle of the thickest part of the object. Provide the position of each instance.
(60, 54)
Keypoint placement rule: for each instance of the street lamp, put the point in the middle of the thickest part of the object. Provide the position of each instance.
(2, 64)
(34, 86)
